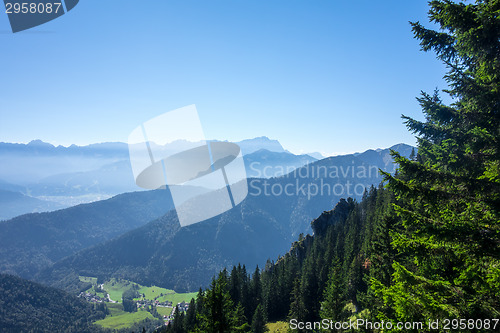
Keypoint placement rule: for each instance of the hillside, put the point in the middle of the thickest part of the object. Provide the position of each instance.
(26, 306)
(295, 285)
(34, 241)
(15, 203)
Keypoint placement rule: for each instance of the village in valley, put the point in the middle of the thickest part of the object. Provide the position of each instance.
(128, 302)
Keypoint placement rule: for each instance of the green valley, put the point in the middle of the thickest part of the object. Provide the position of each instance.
(153, 304)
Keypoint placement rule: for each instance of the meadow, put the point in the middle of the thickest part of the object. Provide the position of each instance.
(118, 318)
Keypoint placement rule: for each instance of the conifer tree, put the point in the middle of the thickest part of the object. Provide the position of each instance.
(331, 307)
(412, 155)
(235, 284)
(258, 321)
(218, 315)
(178, 323)
(190, 318)
(239, 319)
(297, 307)
(309, 290)
(449, 198)
(256, 289)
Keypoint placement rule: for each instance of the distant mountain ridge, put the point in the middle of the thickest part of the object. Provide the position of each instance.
(60, 177)
(28, 163)
(120, 149)
(249, 146)
(266, 164)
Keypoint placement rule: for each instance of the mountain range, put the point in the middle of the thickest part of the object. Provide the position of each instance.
(274, 213)
(60, 177)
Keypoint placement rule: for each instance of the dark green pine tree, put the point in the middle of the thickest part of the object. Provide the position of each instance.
(239, 319)
(271, 300)
(256, 291)
(258, 321)
(331, 307)
(309, 290)
(235, 283)
(449, 198)
(412, 156)
(190, 318)
(246, 300)
(297, 307)
(381, 252)
(200, 301)
(178, 323)
(218, 315)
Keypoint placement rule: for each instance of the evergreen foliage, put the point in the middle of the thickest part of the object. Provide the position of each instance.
(258, 321)
(307, 284)
(448, 200)
(129, 305)
(26, 306)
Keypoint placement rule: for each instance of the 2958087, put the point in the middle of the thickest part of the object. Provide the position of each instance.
(472, 324)
(32, 7)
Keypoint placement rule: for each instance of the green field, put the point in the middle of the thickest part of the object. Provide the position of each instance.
(153, 292)
(115, 309)
(164, 311)
(279, 326)
(116, 288)
(90, 279)
(177, 298)
(122, 319)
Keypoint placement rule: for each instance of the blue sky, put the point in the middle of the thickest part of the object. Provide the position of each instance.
(328, 76)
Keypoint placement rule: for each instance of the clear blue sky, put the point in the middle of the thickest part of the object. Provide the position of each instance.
(328, 76)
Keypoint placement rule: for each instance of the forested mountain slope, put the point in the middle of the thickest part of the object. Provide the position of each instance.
(26, 306)
(31, 242)
(274, 213)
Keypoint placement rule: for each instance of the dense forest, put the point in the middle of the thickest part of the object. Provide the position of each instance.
(334, 266)
(27, 306)
(423, 248)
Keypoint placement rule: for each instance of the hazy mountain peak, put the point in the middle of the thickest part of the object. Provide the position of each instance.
(400, 146)
(40, 143)
(249, 146)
